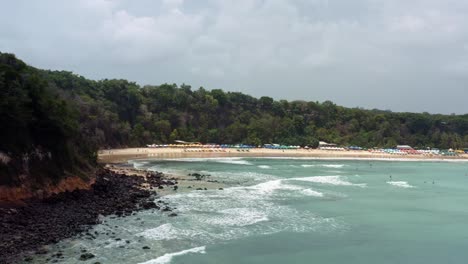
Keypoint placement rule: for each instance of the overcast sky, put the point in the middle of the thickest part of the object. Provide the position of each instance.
(400, 55)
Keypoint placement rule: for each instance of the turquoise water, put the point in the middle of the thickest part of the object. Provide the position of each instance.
(297, 211)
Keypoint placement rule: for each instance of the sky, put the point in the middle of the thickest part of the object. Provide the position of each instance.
(397, 55)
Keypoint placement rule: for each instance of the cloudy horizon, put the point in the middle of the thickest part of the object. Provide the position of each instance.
(390, 55)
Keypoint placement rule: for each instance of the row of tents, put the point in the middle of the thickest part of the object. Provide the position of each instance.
(400, 151)
(230, 146)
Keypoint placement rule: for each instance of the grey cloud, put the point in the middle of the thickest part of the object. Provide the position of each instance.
(399, 55)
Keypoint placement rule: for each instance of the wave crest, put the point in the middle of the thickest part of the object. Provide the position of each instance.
(401, 184)
(167, 258)
(331, 180)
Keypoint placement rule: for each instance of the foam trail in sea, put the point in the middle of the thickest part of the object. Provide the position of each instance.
(236, 161)
(401, 184)
(310, 192)
(331, 180)
(238, 217)
(237, 212)
(167, 258)
(264, 167)
(168, 232)
(336, 166)
(270, 186)
(333, 165)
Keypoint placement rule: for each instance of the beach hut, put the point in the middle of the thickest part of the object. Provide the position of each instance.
(323, 144)
(404, 147)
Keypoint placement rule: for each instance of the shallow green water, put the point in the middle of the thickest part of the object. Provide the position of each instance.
(297, 211)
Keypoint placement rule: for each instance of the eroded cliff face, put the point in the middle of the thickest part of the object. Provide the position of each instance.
(26, 191)
(27, 176)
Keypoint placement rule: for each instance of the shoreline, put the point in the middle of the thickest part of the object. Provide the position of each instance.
(118, 190)
(116, 156)
(184, 183)
(28, 229)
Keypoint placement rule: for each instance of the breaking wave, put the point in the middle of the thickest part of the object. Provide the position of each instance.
(331, 180)
(401, 184)
(236, 161)
(167, 258)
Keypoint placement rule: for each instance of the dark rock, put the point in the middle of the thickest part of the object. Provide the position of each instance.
(29, 227)
(86, 256)
(172, 214)
(41, 251)
(149, 205)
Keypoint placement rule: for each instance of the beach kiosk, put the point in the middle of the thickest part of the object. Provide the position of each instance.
(323, 144)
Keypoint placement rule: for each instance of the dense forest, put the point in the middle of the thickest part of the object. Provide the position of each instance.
(39, 129)
(64, 118)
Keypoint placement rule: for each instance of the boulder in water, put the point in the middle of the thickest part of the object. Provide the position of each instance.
(86, 256)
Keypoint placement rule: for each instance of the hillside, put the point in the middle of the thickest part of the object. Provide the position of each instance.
(54, 121)
(41, 141)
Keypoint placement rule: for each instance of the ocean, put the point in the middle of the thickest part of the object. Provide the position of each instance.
(294, 210)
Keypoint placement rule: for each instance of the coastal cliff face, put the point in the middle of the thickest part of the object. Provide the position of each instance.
(42, 147)
(17, 194)
(28, 228)
(27, 176)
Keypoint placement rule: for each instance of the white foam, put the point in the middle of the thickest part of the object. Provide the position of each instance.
(238, 217)
(167, 232)
(310, 192)
(239, 176)
(235, 160)
(264, 167)
(138, 164)
(333, 165)
(402, 184)
(331, 180)
(440, 159)
(271, 186)
(323, 165)
(167, 258)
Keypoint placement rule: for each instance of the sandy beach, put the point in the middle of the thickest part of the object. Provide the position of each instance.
(115, 156)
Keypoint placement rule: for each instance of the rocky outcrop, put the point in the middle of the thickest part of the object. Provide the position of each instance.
(39, 222)
(17, 194)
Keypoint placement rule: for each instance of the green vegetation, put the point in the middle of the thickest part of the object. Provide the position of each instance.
(39, 132)
(70, 117)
